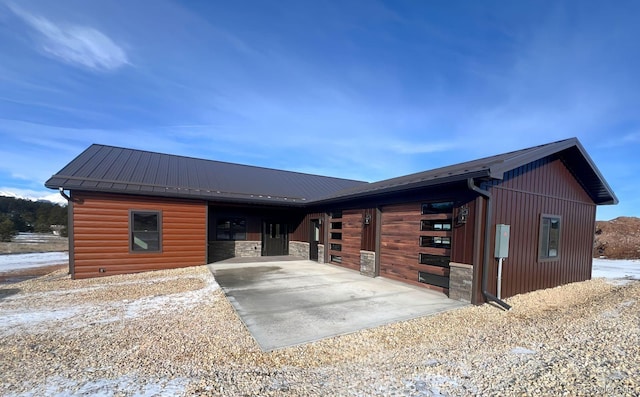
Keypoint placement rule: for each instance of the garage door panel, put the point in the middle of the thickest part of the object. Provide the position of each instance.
(400, 251)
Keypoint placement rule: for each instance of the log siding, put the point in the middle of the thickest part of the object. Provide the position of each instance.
(101, 243)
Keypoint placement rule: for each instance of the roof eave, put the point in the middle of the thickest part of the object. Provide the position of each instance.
(298, 203)
(403, 188)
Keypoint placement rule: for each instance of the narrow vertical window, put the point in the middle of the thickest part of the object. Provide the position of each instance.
(145, 227)
(549, 237)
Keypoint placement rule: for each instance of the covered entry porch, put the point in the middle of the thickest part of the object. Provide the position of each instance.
(235, 231)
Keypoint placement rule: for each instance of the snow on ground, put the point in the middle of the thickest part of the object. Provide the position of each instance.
(58, 386)
(52, 316)
(34, 238)
(24, 261)
(616, 268)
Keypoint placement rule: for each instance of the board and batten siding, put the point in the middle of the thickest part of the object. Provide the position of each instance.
(301, 231)
(101, 234)
(542, 187)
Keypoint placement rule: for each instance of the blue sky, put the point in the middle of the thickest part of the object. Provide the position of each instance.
(366, 90)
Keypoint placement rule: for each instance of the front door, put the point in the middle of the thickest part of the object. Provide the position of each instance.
(314, 239)
(274, 239)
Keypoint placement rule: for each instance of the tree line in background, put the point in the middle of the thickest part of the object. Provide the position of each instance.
(18, 215)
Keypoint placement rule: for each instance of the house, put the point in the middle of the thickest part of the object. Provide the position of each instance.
(132, 211)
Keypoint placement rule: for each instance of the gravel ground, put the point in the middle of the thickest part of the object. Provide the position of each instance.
(174, 333)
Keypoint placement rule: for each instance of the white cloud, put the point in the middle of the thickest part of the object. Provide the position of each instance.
(74, 44)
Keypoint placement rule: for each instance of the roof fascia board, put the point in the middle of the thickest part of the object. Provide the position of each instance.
(402, 188)
(614, 199)
(529, 157)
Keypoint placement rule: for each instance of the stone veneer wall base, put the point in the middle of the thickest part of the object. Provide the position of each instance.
(299, 249)
(221, 250)
(460, 281)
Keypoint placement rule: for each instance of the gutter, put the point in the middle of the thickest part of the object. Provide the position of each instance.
(487, 245)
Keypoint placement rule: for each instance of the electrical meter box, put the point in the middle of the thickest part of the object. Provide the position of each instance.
(502, 240)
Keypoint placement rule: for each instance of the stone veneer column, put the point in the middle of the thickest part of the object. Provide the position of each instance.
(368, 263)
(320, 253)
(460, 281)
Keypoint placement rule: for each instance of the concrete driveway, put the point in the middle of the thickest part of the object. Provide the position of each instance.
(291, 302)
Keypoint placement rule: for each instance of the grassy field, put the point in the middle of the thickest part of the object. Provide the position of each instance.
(35, 242)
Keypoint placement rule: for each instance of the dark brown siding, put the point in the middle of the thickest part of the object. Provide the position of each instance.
(463, 236)
(544, 187)
(351, 235)
(301, 230)
(101, 234)
(369, 231)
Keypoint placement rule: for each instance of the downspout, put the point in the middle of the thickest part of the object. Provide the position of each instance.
(72, 265)
(63, 194)
(487, 245)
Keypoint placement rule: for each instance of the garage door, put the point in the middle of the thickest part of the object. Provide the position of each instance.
(415, 245)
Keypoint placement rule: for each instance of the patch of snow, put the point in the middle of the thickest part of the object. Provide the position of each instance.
(431, 362)
(17, 318)
(428, 386)
(627, 303)
(59, 319)
(11, 262)
(36, 238)
(626, 269)
(130, 385)
(522, 350)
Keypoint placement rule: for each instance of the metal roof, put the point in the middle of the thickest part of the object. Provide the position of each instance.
(113, 169)
(119, 170)
(569, 150)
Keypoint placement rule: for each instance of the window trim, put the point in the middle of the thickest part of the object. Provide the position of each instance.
(132, 212)
(541, 257)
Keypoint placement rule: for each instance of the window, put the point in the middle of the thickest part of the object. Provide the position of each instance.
(433, 260)
(445, 207)
(231, 229)
(335, 233)
(145, 227)
(435, 241)
(549, 237)
(435, 225)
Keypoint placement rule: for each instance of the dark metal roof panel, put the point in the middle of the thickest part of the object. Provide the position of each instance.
(108, 168)
(492, 167)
